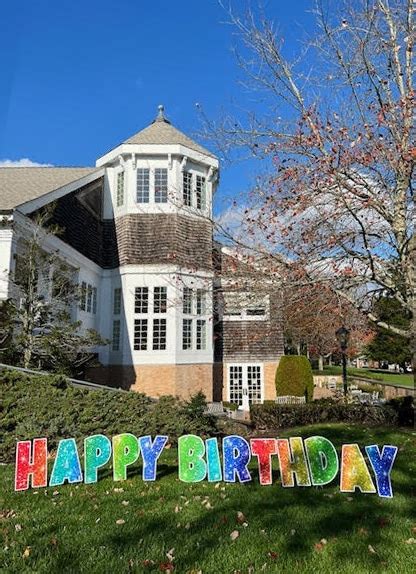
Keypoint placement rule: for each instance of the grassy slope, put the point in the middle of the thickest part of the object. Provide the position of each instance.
(76, 530)
(379, 376)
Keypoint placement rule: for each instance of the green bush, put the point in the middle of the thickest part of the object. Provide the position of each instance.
(294, 377)
(273, 416)
(405, 409)
(48, 406)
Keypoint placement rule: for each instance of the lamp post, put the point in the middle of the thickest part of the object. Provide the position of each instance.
(343, 336)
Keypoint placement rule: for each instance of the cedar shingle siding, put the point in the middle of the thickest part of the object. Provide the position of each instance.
(164, 238)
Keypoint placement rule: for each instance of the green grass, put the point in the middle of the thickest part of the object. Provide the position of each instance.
(76, 531)
(386, 377)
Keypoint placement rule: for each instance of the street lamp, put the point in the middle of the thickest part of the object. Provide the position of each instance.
(343, 336)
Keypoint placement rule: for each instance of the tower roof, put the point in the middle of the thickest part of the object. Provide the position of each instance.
(162, 132)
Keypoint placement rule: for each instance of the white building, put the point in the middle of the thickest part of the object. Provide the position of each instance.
(138, 232)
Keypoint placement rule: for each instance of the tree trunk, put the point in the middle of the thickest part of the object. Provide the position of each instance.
(321, 363)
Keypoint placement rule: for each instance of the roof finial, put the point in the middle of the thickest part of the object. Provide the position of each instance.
(160, 115)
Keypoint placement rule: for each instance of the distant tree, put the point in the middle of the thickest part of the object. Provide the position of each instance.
(312, 315)
(388, 346)
(38, 316)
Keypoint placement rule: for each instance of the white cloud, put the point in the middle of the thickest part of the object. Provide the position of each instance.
(24, 162)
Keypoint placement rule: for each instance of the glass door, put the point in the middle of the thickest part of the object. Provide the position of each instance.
(245, 385)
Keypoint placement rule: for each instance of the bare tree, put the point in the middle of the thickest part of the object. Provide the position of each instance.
(338, 138)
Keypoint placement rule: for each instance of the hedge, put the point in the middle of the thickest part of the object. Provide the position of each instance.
(294, 377)
(269, 416)
(48, 406)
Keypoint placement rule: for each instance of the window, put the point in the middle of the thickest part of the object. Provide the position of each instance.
(201, 334)
(89, 299)
(140, 335)
(141, 299)
(187, 188)
(142, 185)
(159, 299)
(159, 334)
(94, 300)
(116, 335)
(200, 302)
(245, 306)
(120, 189)
(161, 185)
(187, 301)
(83, 296)
(187, 334)
(117, 301)
(200, 192)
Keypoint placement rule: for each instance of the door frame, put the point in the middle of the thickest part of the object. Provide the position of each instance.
(245, 404)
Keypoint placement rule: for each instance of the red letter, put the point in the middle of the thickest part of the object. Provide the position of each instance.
(263, 448)
(38, 469)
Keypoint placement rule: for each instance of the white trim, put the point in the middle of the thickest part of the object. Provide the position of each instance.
(156, 149)
(245, 366)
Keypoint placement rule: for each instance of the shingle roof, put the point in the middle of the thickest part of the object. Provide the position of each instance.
(21, 184)
(161, 131)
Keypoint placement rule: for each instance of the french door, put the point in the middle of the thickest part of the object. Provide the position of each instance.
(245, 384)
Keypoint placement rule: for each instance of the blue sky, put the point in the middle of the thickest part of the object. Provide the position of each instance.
(79, 77)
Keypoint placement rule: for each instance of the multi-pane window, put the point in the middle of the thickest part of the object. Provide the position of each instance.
(200, 192)
(200, 302)
(89, 298)
(187, 334)
(244, 306)
(141, 299)
(83, 297)
(120, 189)
(116, 335)
(159, 299)
(187, 188)
(142, 185)
(117, 301)
(140, 335)
(187, 301)
(201, 334)
(161, 185)
(94, 300)
(159, 334)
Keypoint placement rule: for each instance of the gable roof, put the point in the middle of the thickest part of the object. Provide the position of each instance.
(21, 184)
(161, 131)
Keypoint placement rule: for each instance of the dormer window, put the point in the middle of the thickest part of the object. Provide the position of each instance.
(161, 185)
(143, 186)
(120, 189)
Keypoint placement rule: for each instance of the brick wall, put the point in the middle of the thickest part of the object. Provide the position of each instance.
(157, 380)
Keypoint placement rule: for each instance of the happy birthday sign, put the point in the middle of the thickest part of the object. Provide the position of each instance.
(313, 461)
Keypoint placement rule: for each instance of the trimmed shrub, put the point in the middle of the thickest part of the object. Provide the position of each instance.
(48, 406)
(294, 377)
(272, 416)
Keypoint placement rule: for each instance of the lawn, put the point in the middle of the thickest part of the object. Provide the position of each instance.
(153, 527)
(388, 377)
